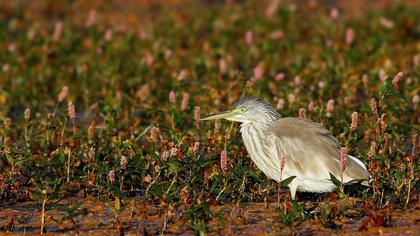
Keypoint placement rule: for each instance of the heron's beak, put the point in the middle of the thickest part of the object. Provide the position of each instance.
(221, 115)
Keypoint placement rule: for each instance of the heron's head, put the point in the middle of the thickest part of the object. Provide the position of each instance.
(248, 110)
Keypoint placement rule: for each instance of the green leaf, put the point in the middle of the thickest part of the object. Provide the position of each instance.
(287, 181)
(385, 87)
(335, 180)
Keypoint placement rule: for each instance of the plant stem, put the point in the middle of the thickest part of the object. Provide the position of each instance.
(62, 132)
(68, 165)
(44, 201)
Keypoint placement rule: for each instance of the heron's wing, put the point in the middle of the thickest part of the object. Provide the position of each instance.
(310, 150)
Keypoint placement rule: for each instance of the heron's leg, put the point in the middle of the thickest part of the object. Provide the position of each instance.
(293, 187)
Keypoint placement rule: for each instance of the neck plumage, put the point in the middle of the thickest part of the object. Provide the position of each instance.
(254, 137)
(263, 122)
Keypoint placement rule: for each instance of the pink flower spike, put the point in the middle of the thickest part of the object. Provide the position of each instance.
(321, 84)
(91, 20)
(354, 121)
(6, 68)
(272, 9)
(276, 35)
(172, 98)
(311, 106)
(196, 147)
(334, 13)
(249, 37)
(185, 101)
(302, 113)
(397, 78)
(330, 107)
(164, 156)
(174, 151)
(58, 29)
(71, 110)
(297, 81)
(350, 36)
(258, 73)
(222, 66)
(280, 104)
(197, 114)
(282, 163)
(149, 59)
(108, 35)
(63, 94)
(223, 161)
(280, 77)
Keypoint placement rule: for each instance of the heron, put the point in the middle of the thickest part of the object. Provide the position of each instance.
(311, 153)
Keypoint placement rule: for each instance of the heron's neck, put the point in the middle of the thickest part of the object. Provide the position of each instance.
(260, 124)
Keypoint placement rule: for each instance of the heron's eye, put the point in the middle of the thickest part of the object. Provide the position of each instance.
(242, 109)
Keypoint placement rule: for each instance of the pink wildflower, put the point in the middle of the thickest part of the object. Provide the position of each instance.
(374, 109)
(354, 121)
(6, 68)
(154, 134)
(280, 77)
(217, 124)
(31, 34)
(297, 81)
(350, 36)
(149, 59)
(249, 38)
(280, 104)
(276, 35)
(382, 75)
(311, 106)
(222, 66)
(91, 20)
(397, 78)
(272, 9)
(172, 97)
(258, 73)
(174, 151)
(108, 35)
(282, 163)
(58, 29)
(147, 179)
(343, 161)
(11, 47)
(123, 162)
(223, 161)
(27, 114)
(196, 147)
(302, 113)
(321, 84)
(164, 155)
(197, 114)
(182, 75)
(334, 13)
(185, 101)
(330, 107)
(111, 177)
(71, 110)
(389, 24)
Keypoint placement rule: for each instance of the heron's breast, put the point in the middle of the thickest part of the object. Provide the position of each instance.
(261, 154)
